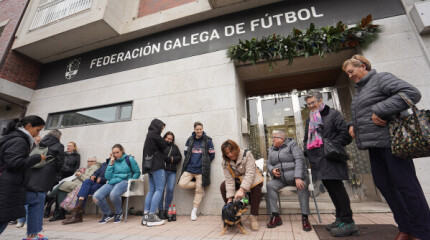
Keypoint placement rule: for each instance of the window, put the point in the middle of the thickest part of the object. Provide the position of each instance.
(89, 116)
(53, 10)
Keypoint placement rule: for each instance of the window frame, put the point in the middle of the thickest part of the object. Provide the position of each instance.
(117, 116)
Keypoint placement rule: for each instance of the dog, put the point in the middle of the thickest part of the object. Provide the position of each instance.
(231, 215)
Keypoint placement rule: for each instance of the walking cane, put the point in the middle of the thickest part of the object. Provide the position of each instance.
(311, 189)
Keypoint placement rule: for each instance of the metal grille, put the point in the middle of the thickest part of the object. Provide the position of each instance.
(52, 10)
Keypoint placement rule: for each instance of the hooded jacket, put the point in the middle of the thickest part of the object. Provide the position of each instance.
(377, 93)
(154, 145)
(100, 173)
(199, 154)
(43, 179)
(70, 185)
(120, 170)
(14, 157)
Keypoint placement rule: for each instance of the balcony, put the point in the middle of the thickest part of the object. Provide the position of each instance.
(54, 29)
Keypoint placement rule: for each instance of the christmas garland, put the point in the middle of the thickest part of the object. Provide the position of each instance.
(305, 43)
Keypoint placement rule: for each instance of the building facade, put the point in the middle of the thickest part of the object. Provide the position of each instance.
(110, 67)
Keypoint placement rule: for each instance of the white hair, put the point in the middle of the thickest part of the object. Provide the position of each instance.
(281, 133)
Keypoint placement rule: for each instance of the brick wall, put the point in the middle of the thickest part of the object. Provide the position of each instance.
(147, 7)
(14, 66)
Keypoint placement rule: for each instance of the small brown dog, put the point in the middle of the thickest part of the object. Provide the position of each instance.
(231, 216)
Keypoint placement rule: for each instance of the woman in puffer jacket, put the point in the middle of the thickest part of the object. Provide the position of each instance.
(375, 103)
(15, 162)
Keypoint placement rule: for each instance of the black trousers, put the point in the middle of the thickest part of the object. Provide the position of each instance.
(396, 179)
(340, 199)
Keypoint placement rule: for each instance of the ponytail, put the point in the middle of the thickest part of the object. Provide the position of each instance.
(33, 120)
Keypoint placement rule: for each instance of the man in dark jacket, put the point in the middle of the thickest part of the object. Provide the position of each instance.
(88, 187)
(41, 180)
(199, 153)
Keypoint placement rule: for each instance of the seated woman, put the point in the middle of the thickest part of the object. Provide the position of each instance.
(241, 176)
(89, 187)
(80, 176)
(121, 168)
(286, 164)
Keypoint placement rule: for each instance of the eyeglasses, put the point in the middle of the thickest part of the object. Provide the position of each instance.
(311, 103)
(277, 137)
(91, 161)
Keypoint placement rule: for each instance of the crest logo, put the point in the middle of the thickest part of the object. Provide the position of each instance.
(72, 68)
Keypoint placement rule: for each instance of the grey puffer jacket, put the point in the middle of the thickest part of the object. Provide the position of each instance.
(377, 93)
(289, 159)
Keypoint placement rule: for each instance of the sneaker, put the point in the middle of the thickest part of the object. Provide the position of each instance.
(20, 224)
(118, 218)
(145, 219)
(154, 220)
(332, 225)
(345, 230)
(106, 218)
(193, 215)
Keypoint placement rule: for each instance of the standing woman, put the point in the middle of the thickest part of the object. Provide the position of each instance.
(121, 168)
(15, 145)
(199, 153)
(240, 163)
(172, 156)
(154, 147)
(375, 103)
(328, 123)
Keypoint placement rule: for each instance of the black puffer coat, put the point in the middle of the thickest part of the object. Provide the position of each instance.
(43, 179)
(172, 151)
(72, 161)
(377, 93)
(335, 129)
(154, 145)
(14, 156)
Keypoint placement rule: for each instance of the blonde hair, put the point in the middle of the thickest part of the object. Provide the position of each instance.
(74, 145)
(356, 61)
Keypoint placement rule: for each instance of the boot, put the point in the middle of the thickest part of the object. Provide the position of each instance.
(254, 223)
(60, 216)
(77, 218)
(79, 207)
(161, 214)
(48, 208)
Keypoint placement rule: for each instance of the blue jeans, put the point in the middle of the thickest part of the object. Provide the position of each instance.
(24, 219)
(114, 192)
(88, 187)
(157, 180)
(36, 203)
(170, 186)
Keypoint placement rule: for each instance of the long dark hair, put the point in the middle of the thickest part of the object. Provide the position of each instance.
(34, 120)
(171, 134)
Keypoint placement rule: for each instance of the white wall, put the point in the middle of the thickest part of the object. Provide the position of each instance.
(399, 52)
(179, 93)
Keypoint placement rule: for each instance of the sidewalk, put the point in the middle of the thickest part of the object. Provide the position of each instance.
(206, 227)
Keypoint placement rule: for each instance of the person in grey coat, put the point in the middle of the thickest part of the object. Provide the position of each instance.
(287, 166)
(375, 103)
(328, 123)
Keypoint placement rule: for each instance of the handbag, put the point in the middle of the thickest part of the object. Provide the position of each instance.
(147, 163)
(69, 202)
(410, 135)
(334, 152)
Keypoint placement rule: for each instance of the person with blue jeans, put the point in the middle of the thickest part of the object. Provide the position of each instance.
(88, 187)
(154, 148)
(121, 168)
(172, 156)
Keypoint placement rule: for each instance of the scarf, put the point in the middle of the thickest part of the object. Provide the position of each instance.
(315, 122)
(28, 136)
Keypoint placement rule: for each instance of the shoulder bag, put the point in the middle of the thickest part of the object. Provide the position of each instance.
(334, 152)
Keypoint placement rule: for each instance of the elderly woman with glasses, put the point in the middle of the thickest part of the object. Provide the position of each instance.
(286, 164)
(327, 123)
(376, 102)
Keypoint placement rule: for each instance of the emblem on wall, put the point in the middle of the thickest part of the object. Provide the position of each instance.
(72, 68)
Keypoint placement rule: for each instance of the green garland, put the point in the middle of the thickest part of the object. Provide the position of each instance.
(311, 42)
